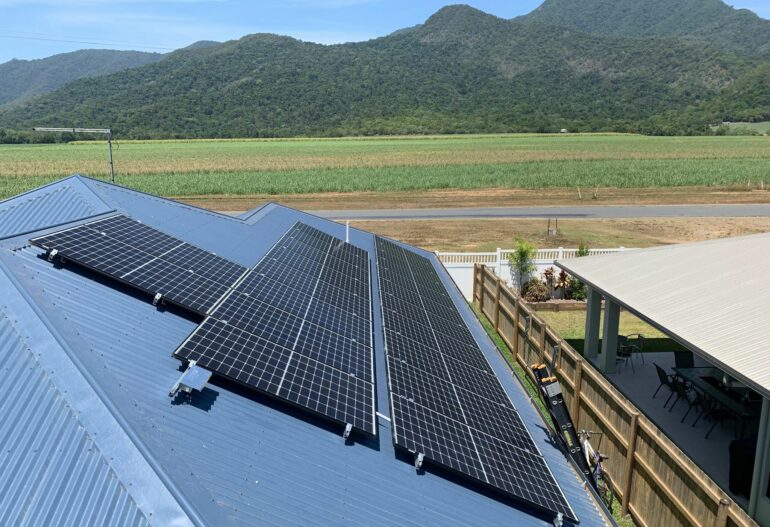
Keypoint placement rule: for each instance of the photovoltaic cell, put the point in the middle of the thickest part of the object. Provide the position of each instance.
(446, 403)
(147, 259)
(308, 302)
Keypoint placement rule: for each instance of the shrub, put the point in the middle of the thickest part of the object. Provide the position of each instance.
(535, 291)
(577, 290)
(523, 262)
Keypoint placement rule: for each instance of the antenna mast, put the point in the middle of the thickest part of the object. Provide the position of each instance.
(103, 131)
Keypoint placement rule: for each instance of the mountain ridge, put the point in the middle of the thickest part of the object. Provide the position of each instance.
(20, 79)
(461, 71)
(708, 21)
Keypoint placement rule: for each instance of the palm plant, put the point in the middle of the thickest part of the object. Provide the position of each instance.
(523, 261)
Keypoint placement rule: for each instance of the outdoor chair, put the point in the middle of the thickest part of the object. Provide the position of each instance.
(717, 413)
(683, 390)
(694, 400)
(665, 380)
(635, 344)
(625, 352)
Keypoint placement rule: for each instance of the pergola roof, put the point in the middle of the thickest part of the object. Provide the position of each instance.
(713, 297)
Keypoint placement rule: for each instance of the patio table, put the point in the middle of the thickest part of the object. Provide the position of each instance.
(697, 378)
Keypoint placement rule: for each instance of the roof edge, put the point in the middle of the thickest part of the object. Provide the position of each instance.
(72, 378)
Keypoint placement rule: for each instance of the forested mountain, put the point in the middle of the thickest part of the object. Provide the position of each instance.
(707, 21)
(20, 79)
(460, 71)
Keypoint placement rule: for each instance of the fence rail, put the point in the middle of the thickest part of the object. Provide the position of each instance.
(657, 484)
(502, 255)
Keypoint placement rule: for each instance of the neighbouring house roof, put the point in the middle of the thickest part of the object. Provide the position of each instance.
(713, 297)
(91, 437)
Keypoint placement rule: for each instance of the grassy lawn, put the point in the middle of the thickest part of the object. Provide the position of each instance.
(571, 326)
(240, 167)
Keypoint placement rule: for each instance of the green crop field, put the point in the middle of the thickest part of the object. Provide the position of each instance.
(760, 128)
(243, 167)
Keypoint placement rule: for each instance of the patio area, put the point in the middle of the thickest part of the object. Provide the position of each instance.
(712, 455)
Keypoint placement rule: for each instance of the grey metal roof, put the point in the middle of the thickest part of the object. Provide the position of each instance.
(236, 458)
(48, 206)
(713, 297)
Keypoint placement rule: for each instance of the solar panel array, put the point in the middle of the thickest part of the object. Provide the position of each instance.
(147, 259)
(446, 403)
(298, 327)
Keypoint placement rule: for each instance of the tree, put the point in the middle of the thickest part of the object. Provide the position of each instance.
(523, 261)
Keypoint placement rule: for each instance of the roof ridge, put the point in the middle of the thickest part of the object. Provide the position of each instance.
(88, 181)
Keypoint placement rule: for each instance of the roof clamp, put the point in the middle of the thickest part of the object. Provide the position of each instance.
(52, 254)
(156, 299)
(348, 429)
(194, 378)
(559, 520)
(418, 460)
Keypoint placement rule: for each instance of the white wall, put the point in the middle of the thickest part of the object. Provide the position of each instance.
(460, 265)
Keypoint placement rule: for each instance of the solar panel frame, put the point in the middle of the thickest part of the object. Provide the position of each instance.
(142, 257)
(455, 414)
(328, 372)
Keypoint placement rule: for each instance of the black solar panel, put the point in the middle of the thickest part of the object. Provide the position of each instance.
(446, 402)
(147, 259)
(307, 303)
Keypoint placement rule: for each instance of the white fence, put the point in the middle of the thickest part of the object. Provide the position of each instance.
(460, 265)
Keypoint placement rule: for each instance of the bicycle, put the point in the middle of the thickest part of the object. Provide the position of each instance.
(594, 458)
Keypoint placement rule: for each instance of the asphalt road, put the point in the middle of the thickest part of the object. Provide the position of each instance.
(597, 212)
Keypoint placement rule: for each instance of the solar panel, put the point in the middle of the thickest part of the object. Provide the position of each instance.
(305, 306)
(446, 402)
(147, 259)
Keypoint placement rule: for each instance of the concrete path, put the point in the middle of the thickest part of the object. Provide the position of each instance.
(615, 211)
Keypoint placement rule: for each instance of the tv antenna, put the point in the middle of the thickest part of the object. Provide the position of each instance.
(103, 131)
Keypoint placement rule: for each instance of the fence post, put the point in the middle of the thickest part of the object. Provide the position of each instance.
(499, 262)
(482, 285)
(723, 512)
(629, 468)
(541, 342)
(576, 399)
(475, 281)
(561, 253)
(516, 318)
(497, 304)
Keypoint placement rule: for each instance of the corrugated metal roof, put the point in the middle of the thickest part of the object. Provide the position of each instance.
(51, 472)
(236, 458)
(49, 206)
(714, 297)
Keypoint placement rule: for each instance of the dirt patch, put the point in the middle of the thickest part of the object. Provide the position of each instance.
(486, 235)
(426, 199)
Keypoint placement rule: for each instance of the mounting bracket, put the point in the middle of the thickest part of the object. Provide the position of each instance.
(194, 378)
(559, 520)
(348, 429)
(52, 254)
(419, 458)
(157, 299)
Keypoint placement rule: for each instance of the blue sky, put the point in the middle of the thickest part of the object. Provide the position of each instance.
(38, 28)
